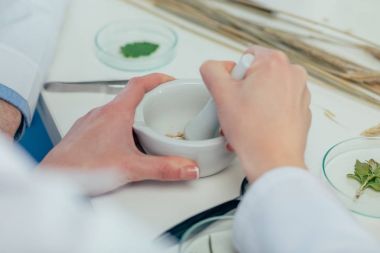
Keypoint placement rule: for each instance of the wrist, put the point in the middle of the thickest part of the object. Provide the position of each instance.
(257, 165)
(10, 118)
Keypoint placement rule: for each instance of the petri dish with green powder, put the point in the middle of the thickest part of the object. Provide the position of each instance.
(136, 45)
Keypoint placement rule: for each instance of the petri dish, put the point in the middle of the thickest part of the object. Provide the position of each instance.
(110, 39)
(210, 235)
(339, 160)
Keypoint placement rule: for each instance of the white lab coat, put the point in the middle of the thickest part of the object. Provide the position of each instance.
(45, 213)
(289, 211)
(28, 33)
(286, 210)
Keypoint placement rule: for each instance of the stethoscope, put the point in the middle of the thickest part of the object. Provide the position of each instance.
(179, 230)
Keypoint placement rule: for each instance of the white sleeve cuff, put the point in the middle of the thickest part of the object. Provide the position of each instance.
(18, 73)
(289, 210)
(28, 36)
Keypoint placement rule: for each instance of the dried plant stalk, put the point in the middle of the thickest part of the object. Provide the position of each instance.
(368, 46)
(375, 52)
(302, 22)
(332, 69)
(177, 136)
(372, 132)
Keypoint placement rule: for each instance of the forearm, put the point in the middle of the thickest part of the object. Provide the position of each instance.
(24, 63)
(35, 204)
(287, 210)
(10, 118)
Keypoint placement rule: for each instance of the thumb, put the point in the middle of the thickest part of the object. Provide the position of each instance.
(136, 88)
(166, 168)
(217, 77)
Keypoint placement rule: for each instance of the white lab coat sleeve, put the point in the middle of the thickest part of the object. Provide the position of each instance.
(290, 211)
(43, 213)
(28, 33)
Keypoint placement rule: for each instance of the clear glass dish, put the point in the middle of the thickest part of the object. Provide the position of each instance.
(339, 161)
(110, 39)
(210, 235)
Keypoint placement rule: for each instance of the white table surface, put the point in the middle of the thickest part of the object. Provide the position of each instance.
(164, 204)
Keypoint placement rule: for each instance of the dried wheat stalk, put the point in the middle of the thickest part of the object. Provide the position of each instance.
(372, 132)
(332, 69)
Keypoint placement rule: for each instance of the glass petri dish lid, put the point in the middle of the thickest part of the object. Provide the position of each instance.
(210, 235)
(340, 160)
(111, 38)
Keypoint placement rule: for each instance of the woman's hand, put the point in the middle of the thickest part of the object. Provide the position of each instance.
(103, 139)
(265, 117)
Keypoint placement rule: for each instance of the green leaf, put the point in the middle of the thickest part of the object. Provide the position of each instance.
(362, 177)
(367, 174)
(376, 167)
(374, 185)
(138, 49)
(357, 178)
(373, 165)
(362, 169)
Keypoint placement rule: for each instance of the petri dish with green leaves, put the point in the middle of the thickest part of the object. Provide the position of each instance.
(341, 162)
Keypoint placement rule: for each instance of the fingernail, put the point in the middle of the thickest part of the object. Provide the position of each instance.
(190, 173)
(230, 148)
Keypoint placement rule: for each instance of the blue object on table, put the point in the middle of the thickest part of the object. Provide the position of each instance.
(36, 140)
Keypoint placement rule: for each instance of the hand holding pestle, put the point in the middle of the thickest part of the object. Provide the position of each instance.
(205, 124)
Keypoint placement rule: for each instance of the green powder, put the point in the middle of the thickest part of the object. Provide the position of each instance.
(138, 49)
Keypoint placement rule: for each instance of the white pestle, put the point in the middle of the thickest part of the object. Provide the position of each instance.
(206, 124)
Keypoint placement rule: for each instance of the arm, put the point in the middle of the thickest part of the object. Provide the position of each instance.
(45, 213)
(102, 141)
(10, 118)
(286, 210)
(28, 33)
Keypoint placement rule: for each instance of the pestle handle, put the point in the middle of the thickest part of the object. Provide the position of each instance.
(206, 123)
(238, 72)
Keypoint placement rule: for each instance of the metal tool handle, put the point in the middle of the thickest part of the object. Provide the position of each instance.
(107, 87)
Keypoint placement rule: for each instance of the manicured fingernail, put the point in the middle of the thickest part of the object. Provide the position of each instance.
(229, 148)
(190, 173)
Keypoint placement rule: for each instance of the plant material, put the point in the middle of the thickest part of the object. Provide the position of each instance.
(375, 52)
(331, 69)
(177, 136)
(372, 132)
(367, 174)
(138, 49)
(329, 114)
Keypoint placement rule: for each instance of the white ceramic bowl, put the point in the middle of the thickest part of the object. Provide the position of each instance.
(166, 110)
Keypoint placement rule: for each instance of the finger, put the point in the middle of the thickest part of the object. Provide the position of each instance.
(164, 169)
(262, 53)
(265, 56)
(300, 72)
(217, 77)
(307, 97)
(230, 148)
(136, 88)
